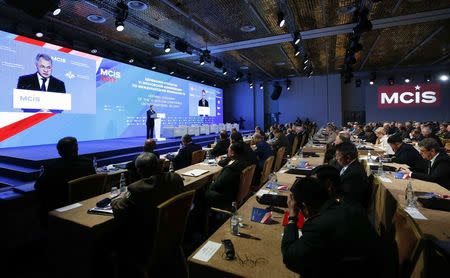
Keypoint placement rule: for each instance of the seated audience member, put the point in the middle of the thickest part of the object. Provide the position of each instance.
(233, 130)
(263, 151)
(427, 133)
(442, 130)
(249, 155)
(381, 141)
(403, 132)
(135, 213)
(222, 145)
(290, 136)
(51, 186)
(438, 170)
(223, 191)
(369, 135)
(184, 157)
(330, 152)
(447, 134)
(149, 147)
(354, 182)
(416, 135)
(258, 130)
(281, 141)
(406, 154)
(337, 240)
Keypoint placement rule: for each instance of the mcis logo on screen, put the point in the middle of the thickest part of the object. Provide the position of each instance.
(421, 95)
(109, 75)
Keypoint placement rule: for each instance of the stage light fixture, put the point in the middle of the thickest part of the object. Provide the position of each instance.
(224, 71)
(39, 34)
(297, 38)
(261, 86)
(167, 47)
(288, 84)
(56, 8)
(251, 85)
(188, 77)
(202, 60)
(443, 77)
(153, 67)
(305, 67)
(297, 50)
(281, 19)
(238, 76)
(203, 81)
(305, 59)
(119, 25)
(215, 85)
(427, 78)
(94, 50)
(391, 81)
(371, 82)
(183, 46)
(407, 79)
(373, 76)
(171, 72)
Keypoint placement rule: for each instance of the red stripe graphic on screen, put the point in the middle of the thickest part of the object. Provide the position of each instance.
(419, 95)
(65, 49)
(30, 41)
(19, 126)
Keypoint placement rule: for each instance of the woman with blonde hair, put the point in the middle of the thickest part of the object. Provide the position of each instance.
(381, 141)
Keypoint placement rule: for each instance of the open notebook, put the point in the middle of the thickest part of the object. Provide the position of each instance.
(105, 210)
(195, 173)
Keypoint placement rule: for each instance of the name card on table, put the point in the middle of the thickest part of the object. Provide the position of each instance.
(415, 213)
(207, 251)
(69, 207)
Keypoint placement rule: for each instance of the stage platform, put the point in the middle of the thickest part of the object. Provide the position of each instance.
(20, 166)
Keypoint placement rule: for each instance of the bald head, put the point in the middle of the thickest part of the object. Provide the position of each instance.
(149, 145)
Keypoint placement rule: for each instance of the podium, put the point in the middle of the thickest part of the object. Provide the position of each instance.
(157, 130)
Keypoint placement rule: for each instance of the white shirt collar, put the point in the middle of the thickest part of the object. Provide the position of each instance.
(346, 166)
(40, 81)
(433, 159)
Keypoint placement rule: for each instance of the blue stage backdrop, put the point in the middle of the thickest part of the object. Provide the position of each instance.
(109, 99)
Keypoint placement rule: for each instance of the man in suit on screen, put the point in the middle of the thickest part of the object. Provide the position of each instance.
(151, 113)
(42, 79)
(203, 102)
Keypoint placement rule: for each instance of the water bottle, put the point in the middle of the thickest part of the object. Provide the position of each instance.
(234, 221)
(409, 196)
(171, 168)
(122, 184)
(369, 157)
(94, 163)
(380, 168)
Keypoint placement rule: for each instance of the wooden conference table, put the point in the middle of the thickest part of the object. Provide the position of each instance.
(262, 258)
(75, 235)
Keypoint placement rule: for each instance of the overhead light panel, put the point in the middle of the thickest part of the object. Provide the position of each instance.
(297, 38)
(297, 51)
(281, 19)
(167, 47)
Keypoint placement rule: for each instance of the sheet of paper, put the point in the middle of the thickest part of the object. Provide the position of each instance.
(415, 213)
(384, 179)
(195, 173)
(264, 191)
(69, 207)
(207, 251)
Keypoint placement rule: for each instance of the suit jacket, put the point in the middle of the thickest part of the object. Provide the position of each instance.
(184, 157)
(263, 151)
(338, 232)
(290, 137)
(370, 137)
(200, 103)
(136, 212)
(150, 120)
(354, 184)
(439, 172)
(31, 82)
(249, 157)
(282, 141)
(221, 147)
(223, 191)
(51, 187)
(408, 155)
(435, 137)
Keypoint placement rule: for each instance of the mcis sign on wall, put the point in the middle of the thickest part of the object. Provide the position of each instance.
(418, 95)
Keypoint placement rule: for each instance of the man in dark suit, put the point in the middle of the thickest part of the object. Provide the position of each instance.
(406, 154)
(203, 102)
(149, 147)
(249, 155)
(439, 164)
(221, 147)
(354, 183)
(184, 157)
(263, 151)
(290, 135)
(42, 80)
(135, 213)
(223, 191)
(281, 141)
(150, 121)
(51, 186)
(337, 240)
(427, 133)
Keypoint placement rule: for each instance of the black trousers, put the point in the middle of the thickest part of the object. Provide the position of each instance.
(150, 129)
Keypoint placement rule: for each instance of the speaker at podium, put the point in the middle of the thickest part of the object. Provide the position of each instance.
(157, 131)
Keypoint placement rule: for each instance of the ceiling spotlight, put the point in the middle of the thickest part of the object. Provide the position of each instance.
(214, 84)
(202, 60)
(167, 47)
(288, 84)
(261, 86)
(56, 9)
(297, 51)
(171, 72)
(94, 50)
(39, 34)
(153, 67)
(305, 60)
(188, 77)
(238, 76)
(251, 85)
(371, 82)
(407, 80)
(203, 81)
(297, 38)
(281, 19)
(373, 76)
(443, 77)
(391, 81)
(305, 67)
(119, 25)
(427, 78)
(224, 71)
